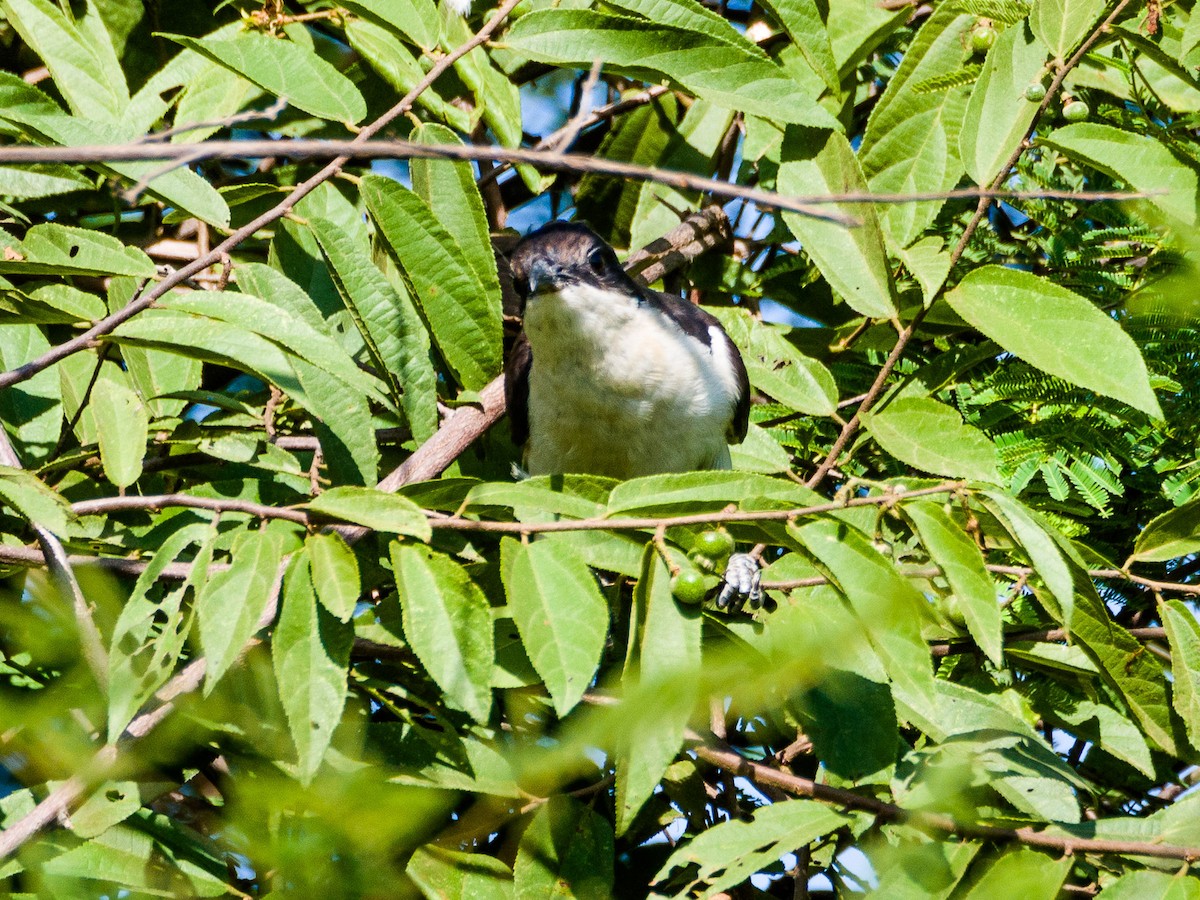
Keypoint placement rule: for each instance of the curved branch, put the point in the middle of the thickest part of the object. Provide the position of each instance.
(806, 787)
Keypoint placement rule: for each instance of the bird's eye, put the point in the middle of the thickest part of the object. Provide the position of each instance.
(597, 261)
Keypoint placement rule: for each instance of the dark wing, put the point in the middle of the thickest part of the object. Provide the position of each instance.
(696, 322)
(516, 388)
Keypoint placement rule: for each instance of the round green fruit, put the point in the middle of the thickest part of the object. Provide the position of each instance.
(713, 544)
(982, 38)
(688, 587)
(1036, 92)
(1076, 111)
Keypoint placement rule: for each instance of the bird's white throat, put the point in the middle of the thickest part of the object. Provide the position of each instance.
(617, 388)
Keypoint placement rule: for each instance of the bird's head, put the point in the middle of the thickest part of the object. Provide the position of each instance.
(565, 254)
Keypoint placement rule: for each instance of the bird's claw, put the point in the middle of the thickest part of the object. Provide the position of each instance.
(741, 583)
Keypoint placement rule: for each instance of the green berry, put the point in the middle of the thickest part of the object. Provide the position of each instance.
(688, 587)
(982, 38)
(1076, 111)
(1036, 92)
(713, 544)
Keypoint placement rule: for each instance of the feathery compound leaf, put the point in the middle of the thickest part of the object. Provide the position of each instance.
(1057, 331)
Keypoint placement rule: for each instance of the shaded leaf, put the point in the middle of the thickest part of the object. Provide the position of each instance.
(448, 624)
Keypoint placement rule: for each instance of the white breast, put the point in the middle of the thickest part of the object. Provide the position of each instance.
(617, 389)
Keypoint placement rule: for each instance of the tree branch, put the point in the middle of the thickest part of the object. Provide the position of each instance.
(805, 787)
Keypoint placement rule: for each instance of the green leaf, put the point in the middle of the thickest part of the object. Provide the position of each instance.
(1134, 673)
(651, 735)
(731, 852)
(415, 19)
(124, 425)
(396, 64)
(887, 605)
(497, 97)
(693, 146)
(396, 339)
(709, 67)
(233, 600)
(1063, 24)
(310, 650)
(960, 560)
(287, 70)
(149, 635)
(781, 371)
(998, 116)
(42, 181)
(32, 500)
(759, 452)
(915, 868)
(85, 69)
(464, 315)
(50, 249)
(1147, 884)
(567, 851)
(1139, 160)
(561, 615)
(448, 624)
(911, 141)
(1021, 872)
(801, 19)
(180, 187)
(335, 575)
(931, 436)
(1031, 534)
(295, 335)
(377, 510)
(448, 189)
(32, 411)
(852, 259)
(1183, 633)
(1056, 331)
(698, 492)
(442, 873)
(1171, 535)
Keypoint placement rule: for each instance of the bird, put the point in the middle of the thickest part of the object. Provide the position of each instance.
(608, 377)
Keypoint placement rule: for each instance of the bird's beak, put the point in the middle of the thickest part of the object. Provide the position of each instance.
(542, 277)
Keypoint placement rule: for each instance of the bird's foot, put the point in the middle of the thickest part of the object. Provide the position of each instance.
(741, 583)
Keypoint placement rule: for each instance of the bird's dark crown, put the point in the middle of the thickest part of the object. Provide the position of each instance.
(565, 253)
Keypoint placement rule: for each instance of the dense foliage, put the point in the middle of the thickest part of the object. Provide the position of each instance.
(275, 616)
